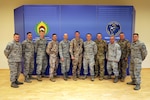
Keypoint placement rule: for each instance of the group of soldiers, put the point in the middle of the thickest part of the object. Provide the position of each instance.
(92, 54)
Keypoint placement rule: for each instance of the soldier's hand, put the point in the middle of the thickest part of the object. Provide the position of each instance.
(116, 61)
(126, 59)
(62, 59)
(72, 57)
(55, 53)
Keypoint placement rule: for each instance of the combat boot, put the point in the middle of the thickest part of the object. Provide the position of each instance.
(55, 75)
(101, 78)
(52, 79)
(65, 77)
(39, 78)
(74, 77)
(116, 79)
(92, 78)
(14, 85)
(18, 83)
(109, 77)
(30, 77)
(44, 76)
(119, 77)
(137, 87)
(27, 80)
(84, 77)
(131, 83)
(78, 76)
(122, 79)
(96, 75)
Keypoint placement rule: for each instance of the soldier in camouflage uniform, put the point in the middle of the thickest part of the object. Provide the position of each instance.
(76, 49)
(28, 55)
(90, 50)
(52, 51)
(125, 50)
(100, 56)
(41, 57)
(138, 54)
(64, 56)
(113, 56)
(13, 53)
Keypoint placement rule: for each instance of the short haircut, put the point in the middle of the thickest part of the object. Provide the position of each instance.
(112, 36)
(16, 34)
(66, 33)
(121, 33)
(136, 34)
(89, 34)
(77, 32)
(54, 34)
(98, 33)
(29, 33)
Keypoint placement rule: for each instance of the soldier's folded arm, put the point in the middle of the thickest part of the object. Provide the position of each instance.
(128, 50)
(48, 49)
(105, 46)
(118, 55)
(60, 50)
(71, 49)
(95, 49)
(36, 46)
(23, 48)
(81, 47)
(106, 55)
(8, 49)
(52, 52)
(143, 51)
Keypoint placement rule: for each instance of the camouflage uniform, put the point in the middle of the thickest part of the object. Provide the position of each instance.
(41, 57)
(76, 49)
(28, 54)
(138, 54)
(100, 56)
(52, 51)
(13, 52)
(113, 56)
(90, 50)
(123, 63)
(64, 53)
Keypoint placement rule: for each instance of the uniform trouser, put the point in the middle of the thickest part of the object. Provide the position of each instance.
(122, 67)
(28, 66)
(15, 70)
(53, 65)
(135, 72)
(65, 65)
(56, 67)
(41, 65)
(112, 66)
(88, 62)
(77, 63)
(99, 67)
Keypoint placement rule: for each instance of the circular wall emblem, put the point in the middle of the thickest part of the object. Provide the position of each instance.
(113, 28)
(41, 26)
